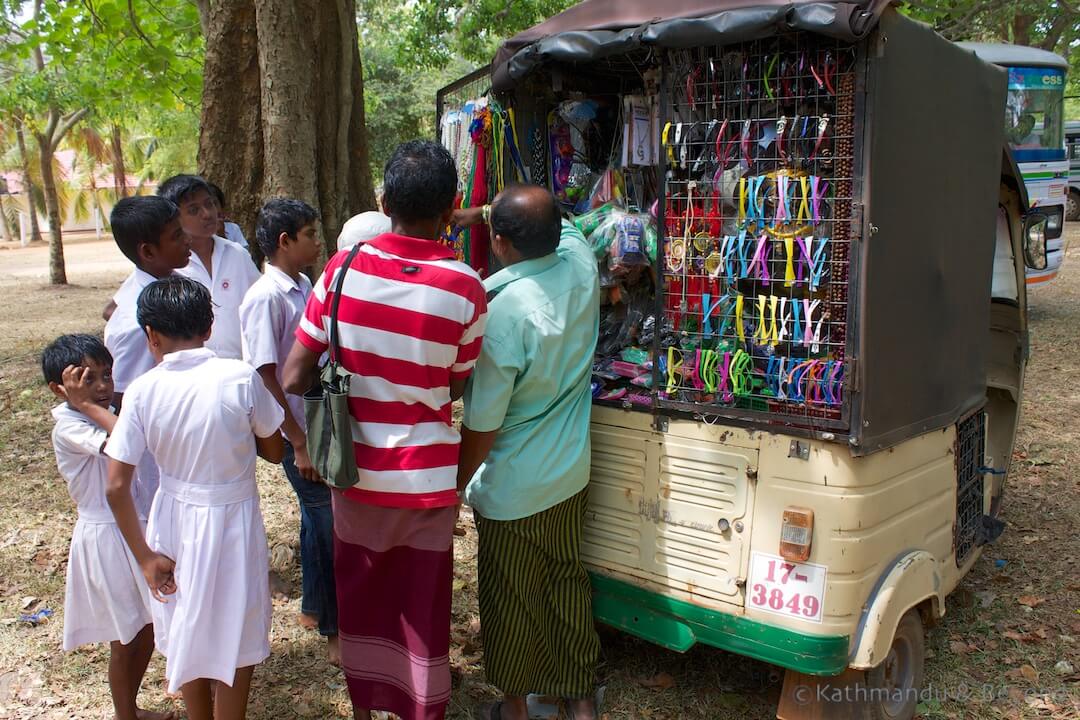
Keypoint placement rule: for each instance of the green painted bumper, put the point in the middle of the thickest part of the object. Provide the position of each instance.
(678, 625)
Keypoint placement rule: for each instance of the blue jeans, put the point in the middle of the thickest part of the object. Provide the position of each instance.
(316, 546)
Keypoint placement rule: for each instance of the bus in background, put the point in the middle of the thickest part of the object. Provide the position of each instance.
(1035, 128)
(1072, 150)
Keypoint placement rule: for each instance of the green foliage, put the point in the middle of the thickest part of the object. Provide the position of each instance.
(163, 142)
(399, 104)
(1048, 24)
(437, 30)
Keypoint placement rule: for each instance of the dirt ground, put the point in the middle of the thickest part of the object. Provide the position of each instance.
(1008, 647)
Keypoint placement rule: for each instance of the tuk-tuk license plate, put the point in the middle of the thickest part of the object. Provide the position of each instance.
(780, 587)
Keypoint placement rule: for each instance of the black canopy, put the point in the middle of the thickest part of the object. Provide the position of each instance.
(596, 29)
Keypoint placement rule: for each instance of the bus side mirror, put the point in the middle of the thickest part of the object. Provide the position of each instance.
(1035, 240)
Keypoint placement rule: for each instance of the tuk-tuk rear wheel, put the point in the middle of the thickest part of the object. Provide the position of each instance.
(898, 680)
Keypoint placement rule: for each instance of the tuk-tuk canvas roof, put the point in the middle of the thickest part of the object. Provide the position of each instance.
(596, 29)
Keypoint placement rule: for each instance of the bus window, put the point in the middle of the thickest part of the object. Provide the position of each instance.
(1034, 114)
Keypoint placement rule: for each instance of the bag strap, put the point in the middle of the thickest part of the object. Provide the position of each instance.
(334, 339)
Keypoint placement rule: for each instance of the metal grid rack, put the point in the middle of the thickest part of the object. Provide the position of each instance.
(454, 114)
(757, 221)
(970, 452)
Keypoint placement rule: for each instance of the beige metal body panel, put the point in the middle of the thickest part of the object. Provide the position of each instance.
(657, 499)
(656, 502)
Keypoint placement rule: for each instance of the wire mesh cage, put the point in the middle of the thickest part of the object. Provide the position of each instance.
(759, 144)
(456, 106)
(970, 452)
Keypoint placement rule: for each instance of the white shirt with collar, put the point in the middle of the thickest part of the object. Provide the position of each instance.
(123, 336)
(269, 315)
(233, 274)
(126, 342)
(235, 234)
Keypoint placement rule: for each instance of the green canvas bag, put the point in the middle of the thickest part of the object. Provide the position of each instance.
(326, 407)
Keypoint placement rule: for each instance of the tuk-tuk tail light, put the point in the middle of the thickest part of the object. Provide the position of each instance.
(796, 534)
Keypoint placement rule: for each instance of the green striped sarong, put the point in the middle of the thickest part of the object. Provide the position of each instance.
(536, 603)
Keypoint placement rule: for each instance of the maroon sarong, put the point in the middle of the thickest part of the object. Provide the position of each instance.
(394, 569)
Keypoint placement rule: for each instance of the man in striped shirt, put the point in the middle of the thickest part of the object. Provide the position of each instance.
(411, 322)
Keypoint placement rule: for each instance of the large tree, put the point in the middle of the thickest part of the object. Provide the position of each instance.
(283, 107)
(109, 57)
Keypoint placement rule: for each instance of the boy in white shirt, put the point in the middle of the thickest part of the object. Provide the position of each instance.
(147, 230)
(223, 267)
(204, 418)
(105, 598)
(226, 229)
(269, 315)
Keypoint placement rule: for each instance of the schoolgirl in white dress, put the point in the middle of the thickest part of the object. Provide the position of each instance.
(106, 598)
(205, 556)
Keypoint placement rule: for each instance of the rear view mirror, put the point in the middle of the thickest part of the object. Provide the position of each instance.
(1035, 240)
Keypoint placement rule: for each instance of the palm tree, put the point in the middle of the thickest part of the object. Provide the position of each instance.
(91, 152)
(28, 186)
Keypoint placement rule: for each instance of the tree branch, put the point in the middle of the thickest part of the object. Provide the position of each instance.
(204, 15)
(66, 123)
(39, 59)
(135, 24)
(93, 13)
(1053, 34)
(50, 127)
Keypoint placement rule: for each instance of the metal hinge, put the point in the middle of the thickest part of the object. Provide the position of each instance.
(857, 212)
(660, 423)
(851, 375)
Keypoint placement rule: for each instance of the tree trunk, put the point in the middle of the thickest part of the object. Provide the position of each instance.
(57, 271)
(1021, 29)
(118, 167)
(282, 120)
(4, 221)
(28, 186)
(288, 123)
(230, 141)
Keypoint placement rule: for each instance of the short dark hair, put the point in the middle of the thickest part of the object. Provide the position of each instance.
(419, 181)
(217, 193)
(179, 187)
(177, 307)
(71, 350)
(281, 215)
(140, 219)
(528, 216)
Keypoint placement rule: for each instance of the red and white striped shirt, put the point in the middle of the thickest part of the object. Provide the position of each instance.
(411, 318)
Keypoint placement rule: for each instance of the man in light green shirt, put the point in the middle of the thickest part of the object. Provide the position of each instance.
(525, 455)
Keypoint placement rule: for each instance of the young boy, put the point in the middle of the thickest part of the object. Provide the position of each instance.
(147, 230)
(203, 418)
(105, 599)
(224, 268)
(228, 230)
(269, 315)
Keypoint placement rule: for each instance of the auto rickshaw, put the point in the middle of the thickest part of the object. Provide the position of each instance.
(813, 338)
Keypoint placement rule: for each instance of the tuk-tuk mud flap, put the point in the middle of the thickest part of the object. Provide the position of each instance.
(679, 625)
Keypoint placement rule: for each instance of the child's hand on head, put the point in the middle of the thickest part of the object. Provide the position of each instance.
(78, 386)
(158, 571)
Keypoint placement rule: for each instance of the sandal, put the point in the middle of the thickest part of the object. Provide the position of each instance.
(598, 701)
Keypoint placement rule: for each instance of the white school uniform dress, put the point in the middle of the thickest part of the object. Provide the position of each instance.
(233, 274)
(126, 342)
(106, 597)
(197, 414)
(234, 234)
(269, 316)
